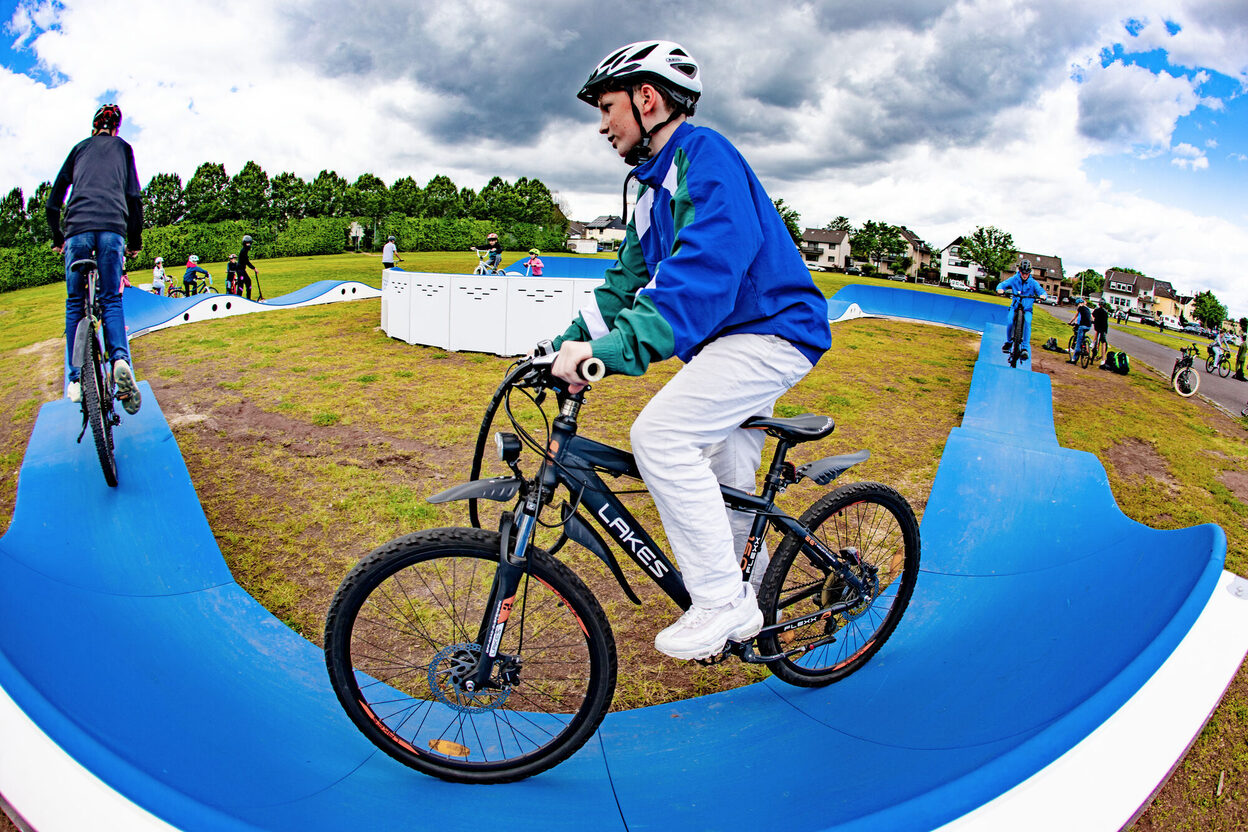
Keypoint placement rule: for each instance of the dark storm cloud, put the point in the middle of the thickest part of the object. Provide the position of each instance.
(898, 71)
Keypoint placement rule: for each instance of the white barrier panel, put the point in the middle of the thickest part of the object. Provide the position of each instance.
(430, 315)
(537, 308)
(479, 313)
(399, 307)
(500, 315)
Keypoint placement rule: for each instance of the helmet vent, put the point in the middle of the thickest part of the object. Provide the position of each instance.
(642, 53)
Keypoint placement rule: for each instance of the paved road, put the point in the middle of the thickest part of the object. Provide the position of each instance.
(1227, 393)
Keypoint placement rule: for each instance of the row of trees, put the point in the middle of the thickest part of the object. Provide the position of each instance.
(212, 196)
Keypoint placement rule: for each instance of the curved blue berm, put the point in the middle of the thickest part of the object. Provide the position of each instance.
(1041, 610)
(595, 267)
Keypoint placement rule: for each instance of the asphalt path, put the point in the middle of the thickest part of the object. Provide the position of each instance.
(1227, 393)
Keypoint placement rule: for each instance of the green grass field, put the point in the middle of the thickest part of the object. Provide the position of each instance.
(311, 437)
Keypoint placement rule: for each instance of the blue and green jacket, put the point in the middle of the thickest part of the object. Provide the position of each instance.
(706, 255)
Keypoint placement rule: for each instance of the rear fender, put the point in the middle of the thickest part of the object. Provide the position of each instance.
(823, 471)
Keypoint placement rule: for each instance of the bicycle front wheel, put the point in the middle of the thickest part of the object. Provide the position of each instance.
(1186, 382)
(401, 643)
(95, 393)
(1224, 369)
(872, 528)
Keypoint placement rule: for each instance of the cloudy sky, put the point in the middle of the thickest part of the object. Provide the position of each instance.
(1104, 132)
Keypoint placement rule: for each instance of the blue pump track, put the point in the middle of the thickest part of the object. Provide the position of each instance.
(143, 672)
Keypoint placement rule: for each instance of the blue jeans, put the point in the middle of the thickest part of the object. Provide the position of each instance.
(1080, 333)
(1009, 327)
(108, 249)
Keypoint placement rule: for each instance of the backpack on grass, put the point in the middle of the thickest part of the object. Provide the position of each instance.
(1118, 361)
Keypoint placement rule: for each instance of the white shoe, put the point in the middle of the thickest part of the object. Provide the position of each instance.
(701, 633)
(127, 387)
(74, 391)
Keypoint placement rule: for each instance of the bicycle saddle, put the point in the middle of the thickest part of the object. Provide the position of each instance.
(78, 265)
(805, 428)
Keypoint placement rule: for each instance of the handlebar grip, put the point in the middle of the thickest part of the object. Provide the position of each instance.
(592, 369)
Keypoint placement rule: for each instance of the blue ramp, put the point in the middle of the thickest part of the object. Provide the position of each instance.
(556, 266)
(1039, 616)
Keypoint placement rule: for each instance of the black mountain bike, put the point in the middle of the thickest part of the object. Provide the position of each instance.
(96, 374)
(1223, 367)
(1080, 352)
(1016, 333)
(475, 656)
(199, 286)
(1183, 377)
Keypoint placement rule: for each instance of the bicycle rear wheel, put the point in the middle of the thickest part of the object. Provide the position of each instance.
(1085, 357)
(1186, 382)
(401, 639)
(95, 390)
(1210, 367)
(873, 528)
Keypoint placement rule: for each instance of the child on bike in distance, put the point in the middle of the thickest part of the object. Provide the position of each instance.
(495, 248)
(103, 222)
(707, 273)
(1026, 291)
(158, 277)
(192, 269)
(534, 264)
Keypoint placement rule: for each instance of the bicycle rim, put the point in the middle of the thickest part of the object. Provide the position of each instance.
(1186, 382)
(401, 638)
(99, 410)
(871, 526)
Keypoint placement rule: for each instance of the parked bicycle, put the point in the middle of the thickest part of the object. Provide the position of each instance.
(1220, 366)
(476, 656)
(1080, 353)
(1183, 377)
(90, 354)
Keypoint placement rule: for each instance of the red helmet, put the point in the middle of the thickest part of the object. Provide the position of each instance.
(108, 117)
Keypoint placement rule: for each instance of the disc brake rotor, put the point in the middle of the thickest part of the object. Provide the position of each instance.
(450, 669)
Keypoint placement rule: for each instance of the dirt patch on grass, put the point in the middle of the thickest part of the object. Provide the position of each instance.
(1237, 482)
(1136, 459)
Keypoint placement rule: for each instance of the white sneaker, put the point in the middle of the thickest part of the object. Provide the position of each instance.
(127, 387)
(701, 633)
(74, 391)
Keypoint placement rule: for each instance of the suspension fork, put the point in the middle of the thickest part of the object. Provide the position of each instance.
(513, 559)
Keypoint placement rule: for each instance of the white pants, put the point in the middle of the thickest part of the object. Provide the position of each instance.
(687, 441)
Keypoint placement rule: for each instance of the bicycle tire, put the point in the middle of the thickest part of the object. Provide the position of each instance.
(875, 521)
(212, 290)
(1186, 382)
(1224, 369)
(1085, 357)
(1016, 340)
(1210, 367)
(411, 609)
(175, 293)
(94, 389)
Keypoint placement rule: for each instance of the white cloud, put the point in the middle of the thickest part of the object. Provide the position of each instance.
(940, 115)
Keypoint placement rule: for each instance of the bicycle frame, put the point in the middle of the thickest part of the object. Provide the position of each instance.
(573, 462)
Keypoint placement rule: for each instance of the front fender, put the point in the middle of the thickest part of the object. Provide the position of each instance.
(499, 489)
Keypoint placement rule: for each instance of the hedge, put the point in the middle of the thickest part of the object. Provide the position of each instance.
(214, 242)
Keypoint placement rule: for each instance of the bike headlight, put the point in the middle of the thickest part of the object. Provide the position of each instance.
(508, 447)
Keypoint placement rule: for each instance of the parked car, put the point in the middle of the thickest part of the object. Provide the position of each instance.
(815, 267)
(853, 270)
(1050, 300)
(959, 286)
(1193, 329)
(900, 277)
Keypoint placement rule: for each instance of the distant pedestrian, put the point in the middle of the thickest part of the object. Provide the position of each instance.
(1161, 324)
(390, 254)
(1243, 349)
(244, 262)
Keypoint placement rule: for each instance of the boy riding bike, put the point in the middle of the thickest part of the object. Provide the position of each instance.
(707, 273)
(1026, 292)
(104, 222)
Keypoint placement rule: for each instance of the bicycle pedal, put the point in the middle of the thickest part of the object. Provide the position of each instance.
(720, 657)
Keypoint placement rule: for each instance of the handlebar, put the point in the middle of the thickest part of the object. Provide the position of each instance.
(589, 370)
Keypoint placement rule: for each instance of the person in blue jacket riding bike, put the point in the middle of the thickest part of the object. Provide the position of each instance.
(1026, 292)
(707, 273)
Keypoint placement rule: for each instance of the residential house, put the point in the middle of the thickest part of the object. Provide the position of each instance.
(825, 249)
(1145, 296)
(919, 252)
(955, 266)
(608, 229)
(1046, 270)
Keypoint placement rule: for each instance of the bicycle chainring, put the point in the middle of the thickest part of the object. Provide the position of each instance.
(457, 663)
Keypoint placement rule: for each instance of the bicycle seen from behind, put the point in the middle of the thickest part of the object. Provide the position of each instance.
(1080, 353)
(90, 355)
(476, 656)
(1183, 377)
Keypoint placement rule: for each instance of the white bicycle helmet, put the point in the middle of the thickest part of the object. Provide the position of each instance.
(194, 258)
(662, 62)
